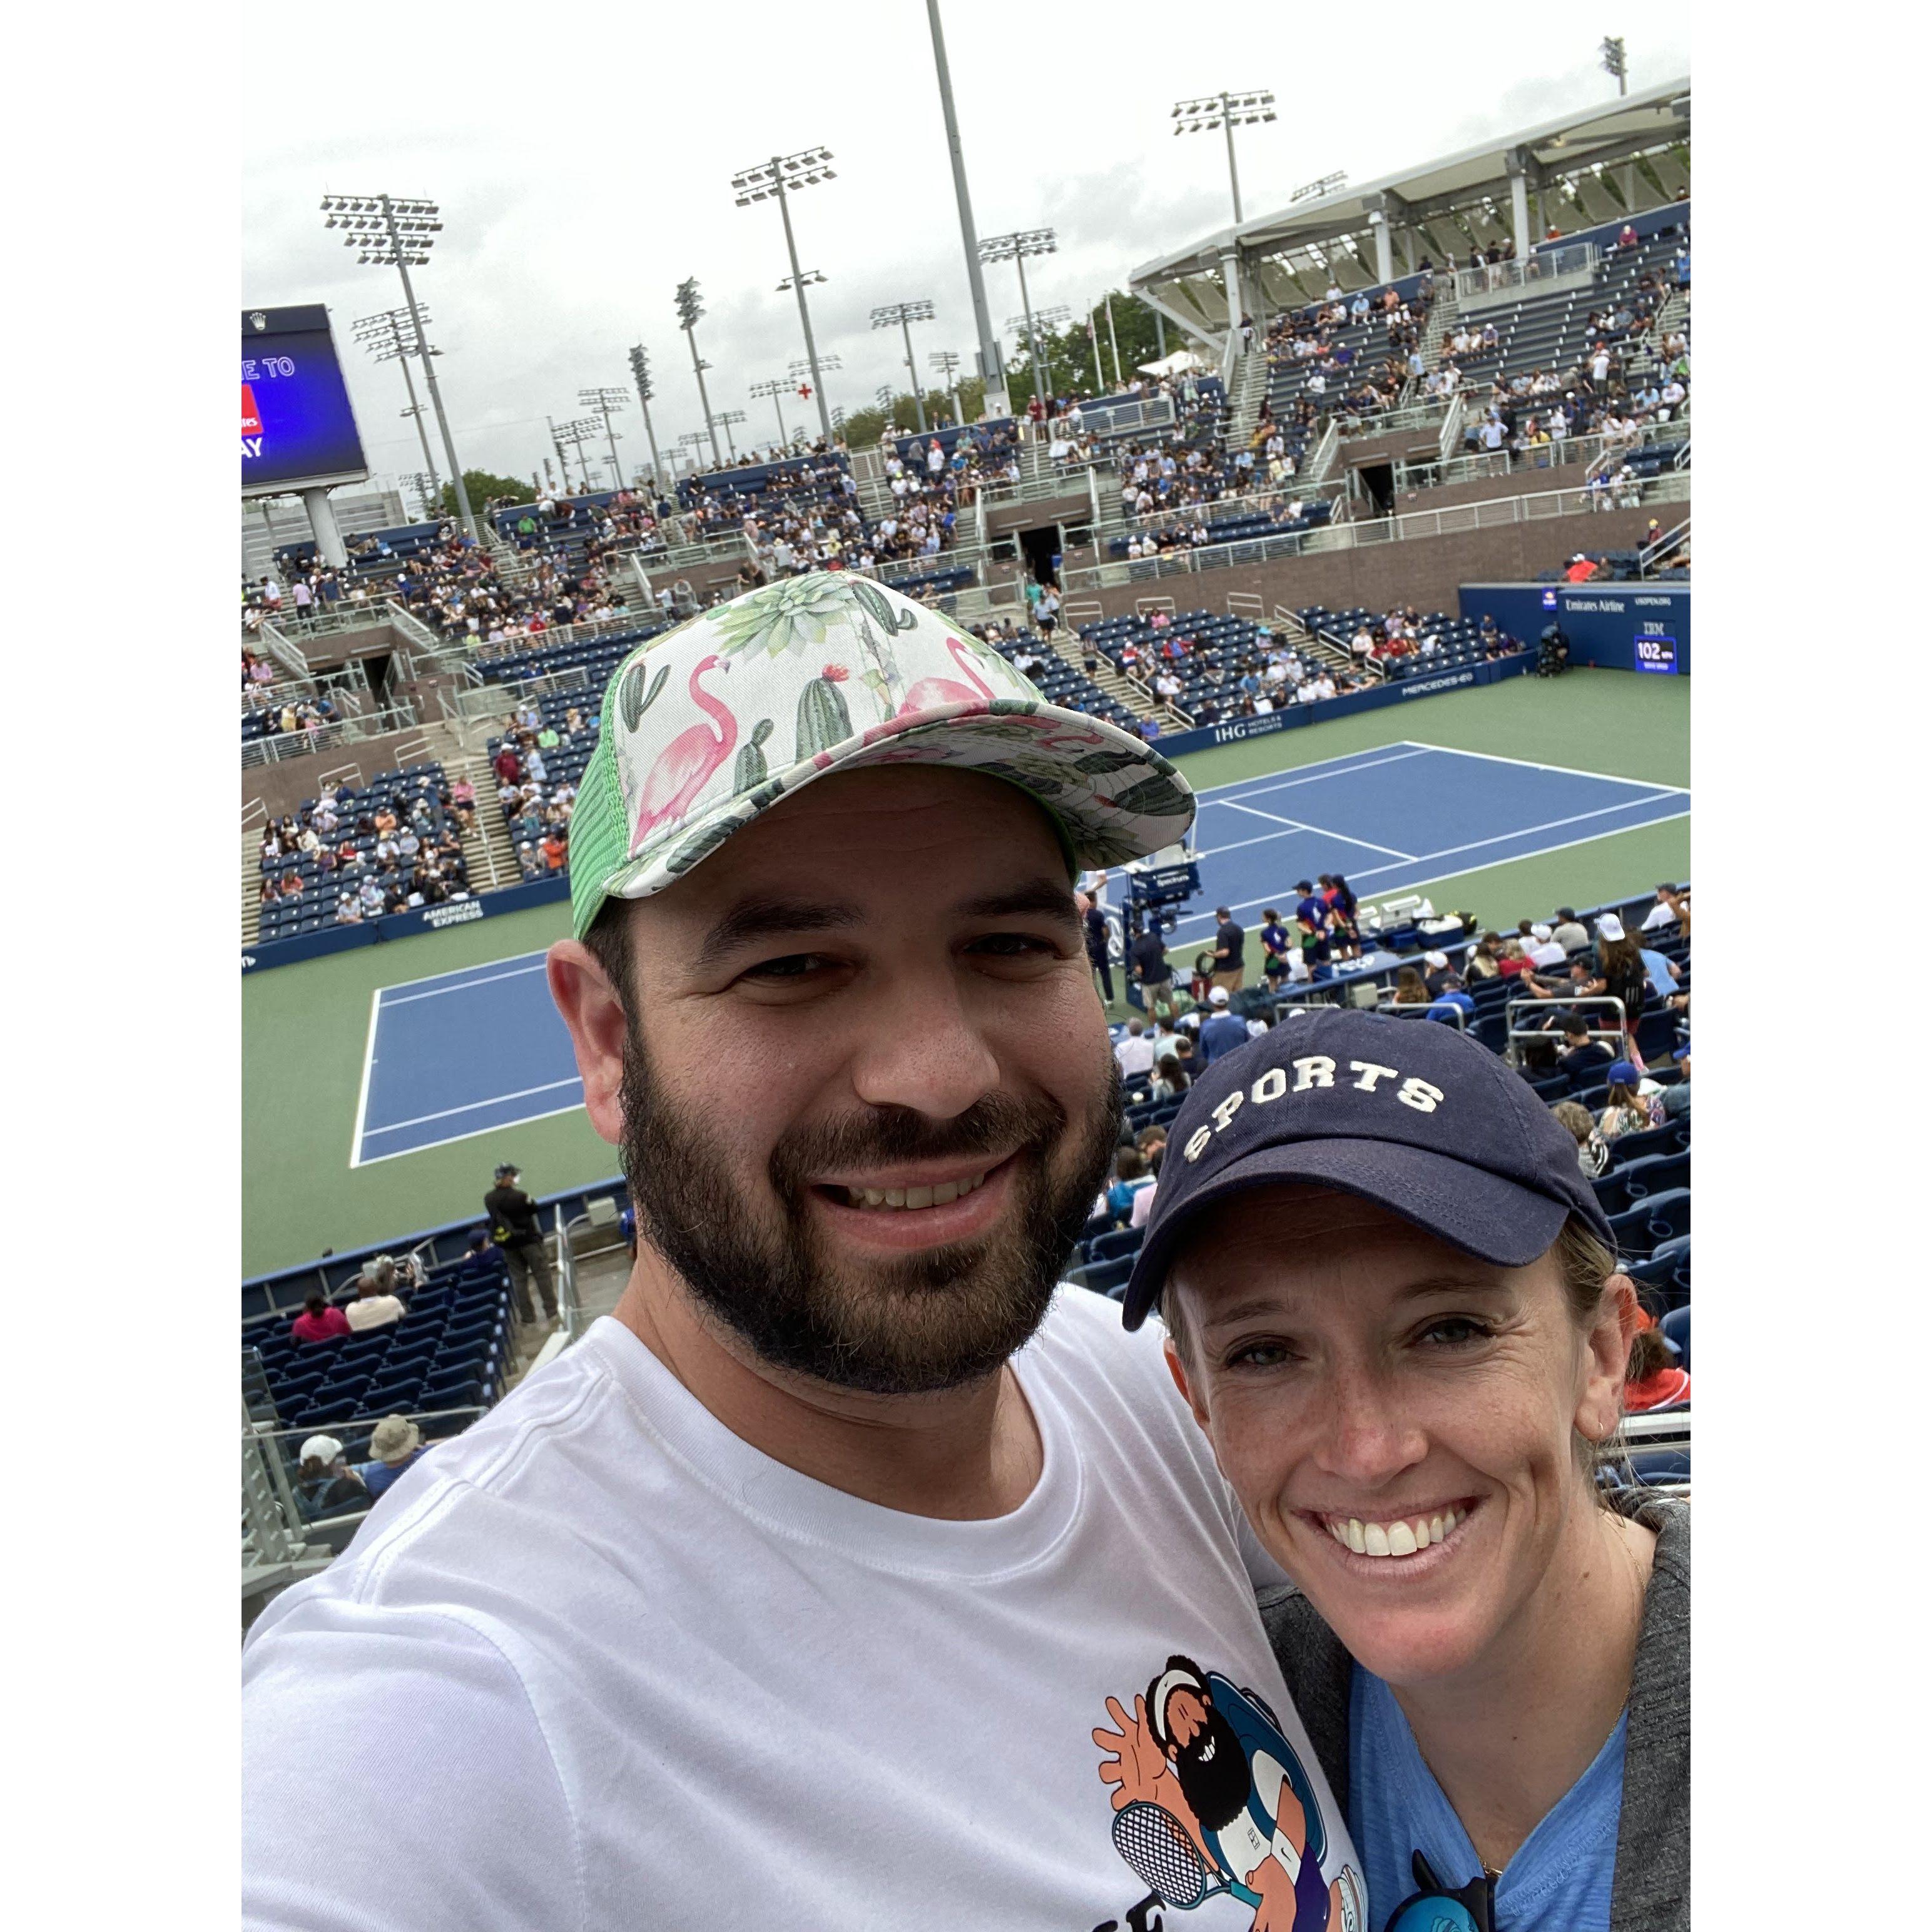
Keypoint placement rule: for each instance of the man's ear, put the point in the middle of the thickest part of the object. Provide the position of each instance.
(595, 1016)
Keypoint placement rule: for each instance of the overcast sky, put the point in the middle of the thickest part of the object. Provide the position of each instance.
(583, 159)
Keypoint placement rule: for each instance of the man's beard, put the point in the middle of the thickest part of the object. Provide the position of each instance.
(1217, 1789)
(911, 1325)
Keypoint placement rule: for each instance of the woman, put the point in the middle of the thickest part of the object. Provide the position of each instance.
(1653, 1381)
(1620, 971)
(1344, 939)
(1632, 1103)
(1410, 990)
(1593, 1151)
(1170, 1079)
(1481, 962)
(1392, 1304)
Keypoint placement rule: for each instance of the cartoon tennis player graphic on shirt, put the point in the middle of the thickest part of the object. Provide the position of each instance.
(1209, 1797)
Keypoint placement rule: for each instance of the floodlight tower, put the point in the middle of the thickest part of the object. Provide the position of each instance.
(1616, 62)
(690, 314)
(947, 363)
(802, 374)
(1015, 248)
(905, 314)
(390, 231)
(727, 417)
(604, 401)
(427, 486)
(1227, 112)
(641, 374)
(576, 433)
(1030, 327)
(777, 178)
(387, 339)
(772, 390)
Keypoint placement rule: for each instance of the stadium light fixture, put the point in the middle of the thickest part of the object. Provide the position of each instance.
(1616, 62)
(811, 277)
(604, 401)
(388, 338)
(1326, 185)
(398, 231)
(771, 390)
(640, 376)
(947, 363)
(576, 433)
(905, 314)
(727, 418)
(801, 376)
(1015, 248)
(1225, 113)
(1034, 327)
(778, 180)
(690, 314)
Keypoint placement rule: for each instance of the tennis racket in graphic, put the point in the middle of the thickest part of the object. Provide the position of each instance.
(1157, 1850)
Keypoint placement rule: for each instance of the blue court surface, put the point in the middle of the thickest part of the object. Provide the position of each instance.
(471, 1051)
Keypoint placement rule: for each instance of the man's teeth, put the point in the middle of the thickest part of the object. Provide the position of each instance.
(1391, 1539)
(912, 1197)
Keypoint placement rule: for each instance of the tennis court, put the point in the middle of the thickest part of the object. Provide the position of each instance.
(480, 1049)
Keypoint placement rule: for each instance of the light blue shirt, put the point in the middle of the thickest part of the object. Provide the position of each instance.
(1559, 1879)
(1658, 967)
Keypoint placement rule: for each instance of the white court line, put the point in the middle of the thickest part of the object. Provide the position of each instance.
(473, 1134)
(461, 986)
(1530, 764)
(1302, 825)
(1521, 831)
(460, 972)
(368, 1066)
(1310, 775)
(471, 1106)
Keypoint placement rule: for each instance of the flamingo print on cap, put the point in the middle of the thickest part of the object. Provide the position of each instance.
(683, 765)
(930, 693)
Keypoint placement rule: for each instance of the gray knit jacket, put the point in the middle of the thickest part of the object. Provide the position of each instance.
(1650, 1890)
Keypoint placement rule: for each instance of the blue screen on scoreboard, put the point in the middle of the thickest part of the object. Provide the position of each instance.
(1655, 654)
(297, 426)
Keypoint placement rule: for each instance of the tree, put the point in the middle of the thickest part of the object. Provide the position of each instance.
(482, 486)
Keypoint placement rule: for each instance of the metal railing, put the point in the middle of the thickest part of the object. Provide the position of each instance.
(1450, 437)
(1606, 1004)
(1535, 275)
(270, 635)
(400, 716)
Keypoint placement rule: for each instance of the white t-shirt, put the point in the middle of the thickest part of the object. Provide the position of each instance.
(1135, 1052)
(599, 1662)
(374, 1311)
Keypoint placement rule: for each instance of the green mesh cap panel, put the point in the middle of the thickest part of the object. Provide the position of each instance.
(599, 839)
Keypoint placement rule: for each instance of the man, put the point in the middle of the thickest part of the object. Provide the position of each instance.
(1582, 1056)
(1222, 1031)
(514, 1228)
(1438, 976)
(1146, 958)
(1540, 947)
(1095, 936)
(395, 1442)
(376, 1304)
(1569, 932)
(1230, 942)
(1133, 1052)
(794, 1592)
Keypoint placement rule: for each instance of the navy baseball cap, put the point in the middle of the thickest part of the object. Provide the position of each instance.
(1423, 1120)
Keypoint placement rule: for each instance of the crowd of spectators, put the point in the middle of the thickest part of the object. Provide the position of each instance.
(348, 859)
(536, 803)
(1359, 377)
(1402, 634)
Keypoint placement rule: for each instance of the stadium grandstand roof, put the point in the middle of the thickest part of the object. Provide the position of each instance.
(1624, 156)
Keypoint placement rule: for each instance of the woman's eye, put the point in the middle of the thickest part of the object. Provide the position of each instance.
(1454, 1331)
(1259, 1355)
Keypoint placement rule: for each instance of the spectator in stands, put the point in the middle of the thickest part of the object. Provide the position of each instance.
(1221, 1032)
(1654, 1380)
(1134, 1050)
(1583, 1058)
(395, 1443)
(1569, 932)
(319, 1321)
(1439, 977)
(1593, 1151)
(1230, 948)
(1539, 945)
(376, 1303)
(1672, 907)
(325, 1484)
(1170, 1079)
(1131, 1177)
(1676, 1097)
(1574, 1604)
(1479, 962)
(482, 1252)
(1620, 972)
(1634, 1102)
(1409, 988)
(514, 1228)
